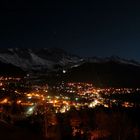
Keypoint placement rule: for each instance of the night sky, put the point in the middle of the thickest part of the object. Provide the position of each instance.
(87, 28)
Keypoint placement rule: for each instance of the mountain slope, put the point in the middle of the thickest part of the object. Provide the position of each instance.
(10, 70)
(37, 58)
(108, 73)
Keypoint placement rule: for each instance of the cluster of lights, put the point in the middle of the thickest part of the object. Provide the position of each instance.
(91, 95)
(67, 95)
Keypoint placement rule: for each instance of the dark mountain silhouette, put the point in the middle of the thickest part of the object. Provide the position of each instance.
(106, 74)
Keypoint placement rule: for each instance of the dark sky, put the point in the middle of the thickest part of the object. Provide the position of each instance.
(87, 28)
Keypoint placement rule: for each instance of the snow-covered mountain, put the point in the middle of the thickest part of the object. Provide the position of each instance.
(51, 59)
(115, 59)
(37, 58)
(59, 65)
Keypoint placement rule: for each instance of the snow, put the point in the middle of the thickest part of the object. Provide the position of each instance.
(42, 62)
(36, 62)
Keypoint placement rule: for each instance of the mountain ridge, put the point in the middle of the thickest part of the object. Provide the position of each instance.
(28, 59)
(109, 71)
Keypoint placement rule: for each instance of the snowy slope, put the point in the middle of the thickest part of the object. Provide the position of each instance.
(115, 59)
(29, 59)
(47, 58)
